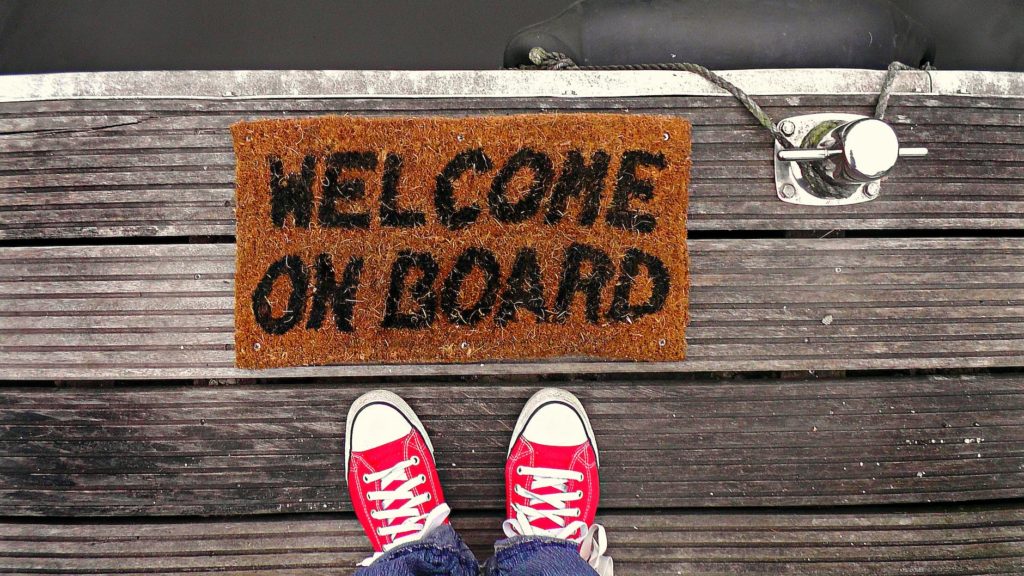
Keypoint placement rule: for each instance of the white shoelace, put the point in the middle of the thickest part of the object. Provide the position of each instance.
(592, 540)
(414, 525)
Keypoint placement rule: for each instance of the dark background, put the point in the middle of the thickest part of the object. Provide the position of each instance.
(88, 35)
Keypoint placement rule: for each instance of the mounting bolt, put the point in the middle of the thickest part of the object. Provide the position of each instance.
(872, 189)
(788, 191)
(787, 127)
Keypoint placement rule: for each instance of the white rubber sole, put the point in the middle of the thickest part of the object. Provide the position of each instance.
(547, 396)
(381, 397)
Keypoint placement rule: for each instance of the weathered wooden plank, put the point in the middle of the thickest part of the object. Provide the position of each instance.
(144, 167)
(253, 448)
(724, 114)
(970, 540)
(244, 84)
(166, 311)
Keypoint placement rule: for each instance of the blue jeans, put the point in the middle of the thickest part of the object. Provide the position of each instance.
(442, 552)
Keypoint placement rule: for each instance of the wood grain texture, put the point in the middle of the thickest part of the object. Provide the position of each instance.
(165, 311)
(944, 541)
(246, 449)
(100, 480)
(117, 168)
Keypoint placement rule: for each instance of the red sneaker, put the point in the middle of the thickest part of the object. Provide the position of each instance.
(392, 479)
(551, 476)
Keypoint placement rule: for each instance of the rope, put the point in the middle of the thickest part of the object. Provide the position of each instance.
(558, 61)
(545, 60)
(887, 86)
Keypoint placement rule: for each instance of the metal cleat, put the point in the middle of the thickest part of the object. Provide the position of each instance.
(835, 159)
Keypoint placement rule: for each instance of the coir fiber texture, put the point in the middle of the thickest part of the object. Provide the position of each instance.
(398, 240)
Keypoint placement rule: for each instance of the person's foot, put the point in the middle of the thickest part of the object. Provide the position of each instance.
(392, 479)
(551, 476)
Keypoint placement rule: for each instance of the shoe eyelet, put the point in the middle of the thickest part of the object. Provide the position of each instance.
(366, 478)
(378, 532)
(579, 493)
(422, 477)
(519, 470)
(575, 511)
(415, 460)
(429, 497)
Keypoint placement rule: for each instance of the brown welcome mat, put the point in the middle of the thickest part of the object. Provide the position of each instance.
(461, 239)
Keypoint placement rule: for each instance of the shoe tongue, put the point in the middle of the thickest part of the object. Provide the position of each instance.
(558, 458)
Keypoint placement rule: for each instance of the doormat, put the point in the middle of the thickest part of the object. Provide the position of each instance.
(427, 240)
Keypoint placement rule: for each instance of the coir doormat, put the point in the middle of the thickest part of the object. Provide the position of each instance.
(461, 239)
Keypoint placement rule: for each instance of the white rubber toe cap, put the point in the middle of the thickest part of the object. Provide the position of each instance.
(554, 417)
(376, 418)
(555, 424)
(376, 425)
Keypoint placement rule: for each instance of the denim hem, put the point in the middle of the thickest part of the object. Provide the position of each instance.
(537, 556)
(513, 550)
(441, 540)
(516, 541)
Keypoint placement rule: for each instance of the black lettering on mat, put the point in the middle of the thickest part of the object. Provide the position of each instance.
(578, 180)
(422, 291)
(291, 193)
(628, 186)
(390, 213)
(452, 291)
(527, 206)
(341, 296)
(295, 270)
(351, 189)
(444, 193)
(573, 281)
(525, 289)
(621, 310)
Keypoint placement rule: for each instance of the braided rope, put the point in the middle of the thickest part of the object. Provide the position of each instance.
(545, 60)
(558, 61)
(887, 86)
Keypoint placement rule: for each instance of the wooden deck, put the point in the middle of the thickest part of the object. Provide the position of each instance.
(852, 402)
